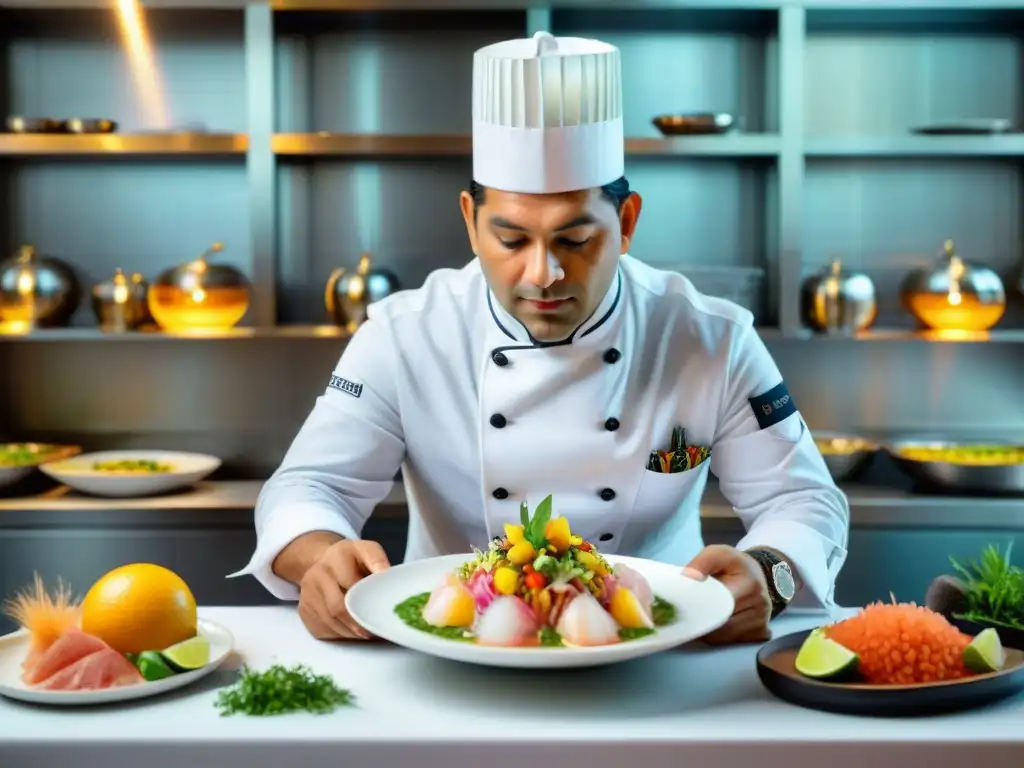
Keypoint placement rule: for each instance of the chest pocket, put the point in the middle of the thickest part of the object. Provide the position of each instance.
(662, 496)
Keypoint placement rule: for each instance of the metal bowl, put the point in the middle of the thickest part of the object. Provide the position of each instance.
(845, 455)
(44, 452)
(959, 476)
(694, 124)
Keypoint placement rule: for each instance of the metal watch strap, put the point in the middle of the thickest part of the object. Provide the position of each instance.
(768, 560)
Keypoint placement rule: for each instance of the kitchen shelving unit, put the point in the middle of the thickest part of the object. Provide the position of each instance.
(341, 125)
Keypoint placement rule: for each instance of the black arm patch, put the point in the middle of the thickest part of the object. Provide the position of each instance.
(344, 385)
(773, 406)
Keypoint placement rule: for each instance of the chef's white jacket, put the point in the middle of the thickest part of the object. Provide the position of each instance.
(444, 383)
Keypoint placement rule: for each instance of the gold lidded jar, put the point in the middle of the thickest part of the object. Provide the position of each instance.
(36, 291)
(121, 303)
(954, 295)
(348, 294)
(838, 301)
(200, 296)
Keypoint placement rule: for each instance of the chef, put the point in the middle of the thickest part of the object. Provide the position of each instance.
(554, 363)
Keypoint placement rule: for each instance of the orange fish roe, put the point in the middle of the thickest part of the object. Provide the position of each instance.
(902, 644)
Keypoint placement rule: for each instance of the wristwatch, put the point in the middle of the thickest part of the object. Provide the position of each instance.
(779, 577)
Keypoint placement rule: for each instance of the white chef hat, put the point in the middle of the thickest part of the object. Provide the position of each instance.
(547, 115)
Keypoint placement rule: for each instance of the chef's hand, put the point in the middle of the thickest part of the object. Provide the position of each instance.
(744, 578)
(322, 589)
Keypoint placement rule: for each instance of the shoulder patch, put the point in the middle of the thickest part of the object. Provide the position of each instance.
(773, 406)
(344, 385)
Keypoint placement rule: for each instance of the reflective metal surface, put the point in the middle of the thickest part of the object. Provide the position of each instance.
(120, 304)
(965, 478)
(837, 301)
(846, 456)
(694, 124)
(36, 291)
(349, 293)
(199, 295)
(955, 294)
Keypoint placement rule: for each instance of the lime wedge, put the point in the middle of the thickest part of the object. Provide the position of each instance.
(822, 658)
(985, 653)
(152, 666)
(188, 654)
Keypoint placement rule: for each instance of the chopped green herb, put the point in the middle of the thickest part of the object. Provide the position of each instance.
(662, 612)
(410, 611)
(549, 638)
(279, 690)
(634, 633)
(994, 589)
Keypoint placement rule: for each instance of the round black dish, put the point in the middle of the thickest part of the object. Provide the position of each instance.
(775, 668)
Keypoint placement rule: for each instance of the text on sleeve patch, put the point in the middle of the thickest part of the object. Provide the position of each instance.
(773, 406)
(346, 386)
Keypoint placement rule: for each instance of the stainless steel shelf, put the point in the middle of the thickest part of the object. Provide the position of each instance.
(1009, 336)
(870, 507)
(233, 334)
(63, 145)
(312, 332)
(383, 145)
(476, 5)
(1006, 145)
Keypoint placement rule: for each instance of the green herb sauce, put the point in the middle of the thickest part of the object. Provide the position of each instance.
(410, 611)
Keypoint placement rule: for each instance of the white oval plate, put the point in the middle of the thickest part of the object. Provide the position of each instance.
(701, 606)
(189, 469)
(14, 648)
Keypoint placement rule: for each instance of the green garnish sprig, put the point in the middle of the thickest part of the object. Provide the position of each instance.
(534, 528)
(994, 589)
(280, 690)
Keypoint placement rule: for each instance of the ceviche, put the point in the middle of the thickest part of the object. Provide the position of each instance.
(539, 585)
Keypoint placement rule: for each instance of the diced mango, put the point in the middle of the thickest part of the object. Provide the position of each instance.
(575, 540)
(521, 553)
(506, 581)
(590, 562)
(625, 608)
(514, 533)
(558, 534)
(544, 601)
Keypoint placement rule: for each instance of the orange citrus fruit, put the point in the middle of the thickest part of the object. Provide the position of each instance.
(140, 607)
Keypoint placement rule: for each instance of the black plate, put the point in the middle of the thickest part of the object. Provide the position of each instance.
(775, 667)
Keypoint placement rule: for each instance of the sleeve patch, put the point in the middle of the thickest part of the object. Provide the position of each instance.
(344, 385)
(773, 406)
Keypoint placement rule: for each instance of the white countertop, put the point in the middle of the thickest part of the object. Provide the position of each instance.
(694, 707)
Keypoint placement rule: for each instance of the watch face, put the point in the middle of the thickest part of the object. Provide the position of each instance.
(785, 584)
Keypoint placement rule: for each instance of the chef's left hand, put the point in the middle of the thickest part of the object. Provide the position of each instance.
(744, 578)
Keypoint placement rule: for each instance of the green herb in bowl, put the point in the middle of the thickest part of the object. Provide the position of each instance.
(280, 690)
(993, 589)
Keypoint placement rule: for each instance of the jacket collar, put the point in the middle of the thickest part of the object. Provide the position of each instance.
(596, 328)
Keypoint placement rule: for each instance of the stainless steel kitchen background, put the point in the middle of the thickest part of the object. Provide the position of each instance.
(288, 221)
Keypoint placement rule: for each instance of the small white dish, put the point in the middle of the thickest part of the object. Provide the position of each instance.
(14, 648)
(701, 606)
(78, 473)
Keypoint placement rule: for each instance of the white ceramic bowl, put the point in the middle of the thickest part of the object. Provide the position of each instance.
(78, 473)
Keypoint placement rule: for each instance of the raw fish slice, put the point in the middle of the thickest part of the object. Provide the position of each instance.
(69, 648)
(106, 668)
(509, 621)
(584, 622)
(637, 584)
(450, 605)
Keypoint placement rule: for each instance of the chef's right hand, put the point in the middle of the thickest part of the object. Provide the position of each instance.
(323, 587)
